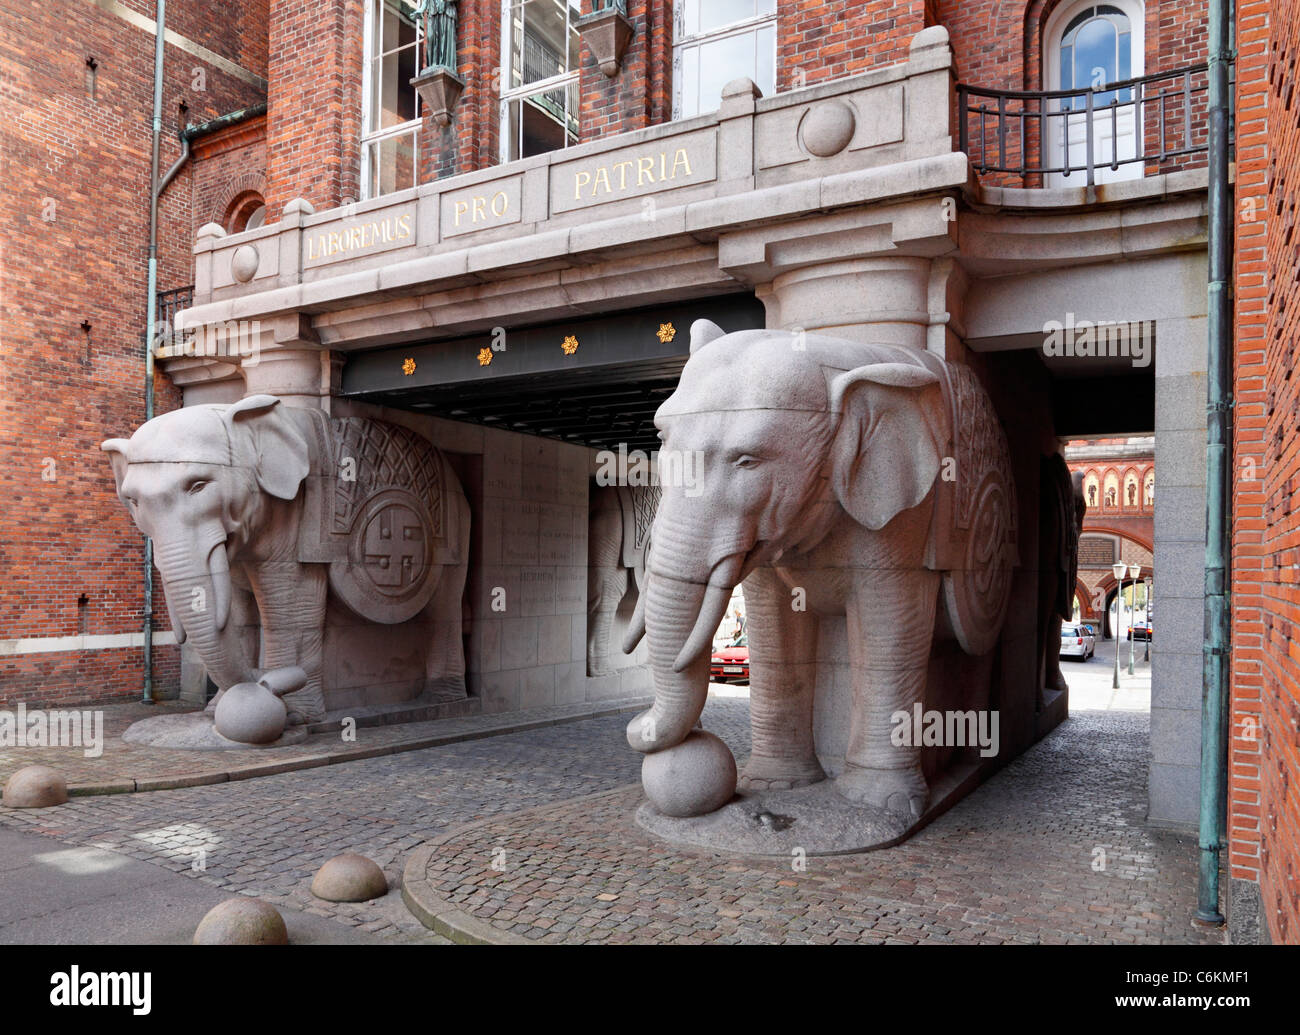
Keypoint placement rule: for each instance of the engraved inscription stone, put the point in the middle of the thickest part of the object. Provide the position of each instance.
(632, 172)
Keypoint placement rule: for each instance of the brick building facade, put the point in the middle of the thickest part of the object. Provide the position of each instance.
(325, 119)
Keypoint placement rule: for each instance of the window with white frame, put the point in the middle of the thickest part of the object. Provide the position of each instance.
(539, 89)
(390, 117)
(716, 41)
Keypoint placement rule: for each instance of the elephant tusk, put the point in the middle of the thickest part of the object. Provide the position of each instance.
(219, 570)
(178, 627)
(636, 628)
(716, 597)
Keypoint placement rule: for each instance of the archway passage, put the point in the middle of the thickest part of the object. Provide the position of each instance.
(594, 382)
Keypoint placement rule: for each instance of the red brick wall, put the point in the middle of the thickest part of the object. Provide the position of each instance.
(641, 94)
(817, 41)
(472, 141)
(313, 146)
(75, 208)
(227, 165)
(1264, 807)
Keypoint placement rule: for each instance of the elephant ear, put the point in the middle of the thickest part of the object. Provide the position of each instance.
(703, 332)
(116, 449)
(889, 441)
(283, 456)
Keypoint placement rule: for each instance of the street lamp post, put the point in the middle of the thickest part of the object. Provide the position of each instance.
(1134, 571)
(1118, 570)
(1146, 620)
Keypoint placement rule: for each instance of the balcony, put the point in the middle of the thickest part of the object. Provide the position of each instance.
(1140, 127)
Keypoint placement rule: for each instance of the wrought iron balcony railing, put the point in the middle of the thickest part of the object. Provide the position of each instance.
(1156, 121)
(169, 304)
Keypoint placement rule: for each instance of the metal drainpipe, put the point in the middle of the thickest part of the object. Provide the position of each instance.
(160, 30)
(1218, 462)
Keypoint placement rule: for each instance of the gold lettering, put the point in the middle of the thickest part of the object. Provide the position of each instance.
(580, 180)
(333, 242)
(622, 168)
(602, 176)
(311, 249)
(681, 159)
(663, 165)
(505, 203)
(404, 225)
(645, 168)
(480, 211)
(354, 237)
(461, 208)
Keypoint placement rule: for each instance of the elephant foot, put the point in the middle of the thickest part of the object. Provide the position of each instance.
(763, 773)
(597, 666)
(902, 791)
(295, 719)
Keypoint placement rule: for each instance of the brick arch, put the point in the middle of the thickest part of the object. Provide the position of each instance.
(251, 182)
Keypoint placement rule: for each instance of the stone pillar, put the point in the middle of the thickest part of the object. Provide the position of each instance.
(1179, 588)
(882, 299)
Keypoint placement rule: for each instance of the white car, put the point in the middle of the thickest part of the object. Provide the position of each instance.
(1077, 641)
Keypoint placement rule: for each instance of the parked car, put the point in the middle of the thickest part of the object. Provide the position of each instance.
(1077, 642)
(731, 662)
(1142, 630)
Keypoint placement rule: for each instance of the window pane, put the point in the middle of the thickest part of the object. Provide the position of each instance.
(1094, 54)
(1125, 63)
(392, 164)
(542, 42)
(765, 65)
(716, 13)
(721, 61)
(394, 98)
(690, 82)
(543, 122)
(399, 25)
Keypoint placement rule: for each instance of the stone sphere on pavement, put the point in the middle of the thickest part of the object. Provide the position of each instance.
(250, 714)
(242, 921)
(35, 787)
(697, 776)
(349, 878)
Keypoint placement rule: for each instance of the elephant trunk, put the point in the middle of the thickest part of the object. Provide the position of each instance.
(196, 583)
(681, 616)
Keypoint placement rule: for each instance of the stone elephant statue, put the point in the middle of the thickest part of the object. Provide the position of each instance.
(870, 481)
(357, 518)
(618, 537)
(1060, 525)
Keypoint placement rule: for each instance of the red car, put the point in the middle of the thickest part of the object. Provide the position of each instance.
(731, 662)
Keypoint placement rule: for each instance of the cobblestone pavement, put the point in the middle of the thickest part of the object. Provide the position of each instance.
(1011, 863)
(266, 837)
(123, 767)
(1053, 849)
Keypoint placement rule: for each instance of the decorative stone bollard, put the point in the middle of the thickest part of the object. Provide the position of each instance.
(693, 778)
(349, 878)
(35, 787)
(242, 921)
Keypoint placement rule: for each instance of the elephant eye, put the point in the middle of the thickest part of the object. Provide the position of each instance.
(196, 486)
(745, 462)
(129, 500)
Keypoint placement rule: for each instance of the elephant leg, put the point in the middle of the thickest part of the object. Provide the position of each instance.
(890, 627)
(445, 663)
(606, 580)
(1055, 677)
(782, 677)
(291, 599)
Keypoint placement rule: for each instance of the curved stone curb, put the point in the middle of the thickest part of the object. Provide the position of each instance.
(127, 785)
(439, 915)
